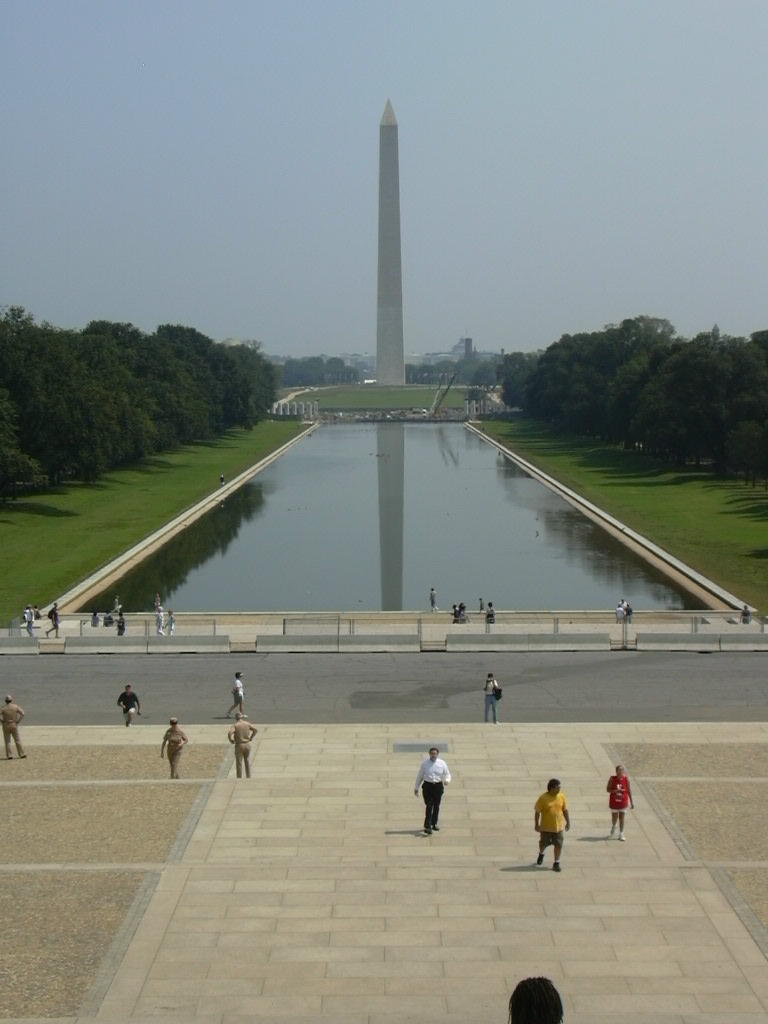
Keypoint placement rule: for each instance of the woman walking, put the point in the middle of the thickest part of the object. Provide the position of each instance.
(175, 740)
(491, 689)
(619, 799)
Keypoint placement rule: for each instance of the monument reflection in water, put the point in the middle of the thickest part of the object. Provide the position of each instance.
(370, 516)
(390, 452)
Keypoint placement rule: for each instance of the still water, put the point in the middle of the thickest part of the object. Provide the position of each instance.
(370, 516)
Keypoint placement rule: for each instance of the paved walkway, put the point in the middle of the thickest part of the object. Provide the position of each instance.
(309, 893)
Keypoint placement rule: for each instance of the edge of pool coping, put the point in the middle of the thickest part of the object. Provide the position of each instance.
(694, 582)
(117, 567)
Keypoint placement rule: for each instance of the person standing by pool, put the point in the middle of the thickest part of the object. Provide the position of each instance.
(55, 620)
(619, 800)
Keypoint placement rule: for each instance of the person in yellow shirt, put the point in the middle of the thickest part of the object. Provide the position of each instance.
(551, 820)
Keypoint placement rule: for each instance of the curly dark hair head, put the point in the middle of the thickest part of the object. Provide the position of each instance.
(535, 1001)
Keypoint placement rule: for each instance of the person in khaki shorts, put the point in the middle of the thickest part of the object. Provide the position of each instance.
(11, 714)
(175, 739)
(551, 820)
(241, 734)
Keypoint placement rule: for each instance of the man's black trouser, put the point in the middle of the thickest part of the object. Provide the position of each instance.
(433, 794)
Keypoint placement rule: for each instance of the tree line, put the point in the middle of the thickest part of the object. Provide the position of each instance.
(473, 371)
(702, 400)
(315, 371)
(74, 404)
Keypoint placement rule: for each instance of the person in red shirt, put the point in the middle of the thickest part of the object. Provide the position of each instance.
(619, 799)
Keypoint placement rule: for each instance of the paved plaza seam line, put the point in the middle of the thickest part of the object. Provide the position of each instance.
(656, 804)
(80, 866)
(754, 926)
(84, 783)
(119, 946)
(190, 824)
(701, 778)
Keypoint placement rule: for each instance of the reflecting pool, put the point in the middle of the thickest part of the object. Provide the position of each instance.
(370, 516)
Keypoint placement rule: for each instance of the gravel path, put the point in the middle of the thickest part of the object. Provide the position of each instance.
(120, 824)
(708, 760)
(105, 763)
(56, 929)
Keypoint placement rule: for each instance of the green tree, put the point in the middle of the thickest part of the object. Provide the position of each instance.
(16, 468)
(747, 450)
(515, 372)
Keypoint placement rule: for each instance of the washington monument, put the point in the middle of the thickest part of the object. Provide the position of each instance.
(390, 367)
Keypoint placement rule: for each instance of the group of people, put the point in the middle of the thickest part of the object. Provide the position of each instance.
(459, 611)
(32, 614)
(113, 618)
(164, 621)
(175, 739)
(551, 817)
(29, 616)
(624, 612)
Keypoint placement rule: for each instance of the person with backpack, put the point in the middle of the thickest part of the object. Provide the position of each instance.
(492, 692)
(55, 618)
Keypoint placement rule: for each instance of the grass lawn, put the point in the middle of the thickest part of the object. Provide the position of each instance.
(368, 397)
(52, 540)
(718, 527)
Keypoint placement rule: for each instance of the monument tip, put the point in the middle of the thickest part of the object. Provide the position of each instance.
(388, 118)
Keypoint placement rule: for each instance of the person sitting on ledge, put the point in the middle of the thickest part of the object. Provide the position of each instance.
(535, 1001)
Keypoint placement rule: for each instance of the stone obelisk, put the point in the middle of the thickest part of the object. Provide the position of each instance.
(390, 365)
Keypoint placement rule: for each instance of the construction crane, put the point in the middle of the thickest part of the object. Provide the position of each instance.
(440, 395)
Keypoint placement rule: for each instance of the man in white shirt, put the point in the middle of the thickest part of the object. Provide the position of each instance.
(433, 777)
(238, 695)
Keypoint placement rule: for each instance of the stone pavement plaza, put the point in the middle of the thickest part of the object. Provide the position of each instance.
(309, 894)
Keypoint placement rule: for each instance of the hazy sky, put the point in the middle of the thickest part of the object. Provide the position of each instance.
(562, 165)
